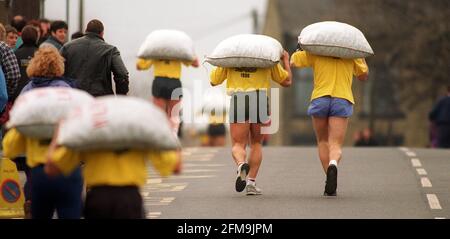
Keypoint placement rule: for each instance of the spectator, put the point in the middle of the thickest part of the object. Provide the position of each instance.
(440, 118)
(76, 35)
(366, 139)
(90, 61)
(24, 55)
(44, 28)
(10, 67)
(11, 36)
(58, 30)
(18, 23)
(35, 24)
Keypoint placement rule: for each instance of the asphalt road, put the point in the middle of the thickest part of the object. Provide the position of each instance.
(372, 183)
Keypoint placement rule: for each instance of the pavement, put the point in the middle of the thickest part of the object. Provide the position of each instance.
(372, 183)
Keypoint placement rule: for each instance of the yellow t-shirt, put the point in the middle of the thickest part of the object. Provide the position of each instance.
(16, 144)
(108, 168)
(248, 79)
(163, 68)
(216, 119)
(332, 76)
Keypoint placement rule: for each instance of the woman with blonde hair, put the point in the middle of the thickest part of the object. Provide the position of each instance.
(48, 194)
(46, 69)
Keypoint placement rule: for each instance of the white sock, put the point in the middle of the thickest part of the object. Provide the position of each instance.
(251, 182)
(334, 162)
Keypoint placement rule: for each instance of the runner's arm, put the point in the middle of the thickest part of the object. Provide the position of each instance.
(14, 144)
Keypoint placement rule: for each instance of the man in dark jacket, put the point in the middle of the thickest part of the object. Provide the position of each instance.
(24, 55)
(90, 61)
(440, 117)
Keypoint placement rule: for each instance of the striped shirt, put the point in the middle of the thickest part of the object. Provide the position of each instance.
(8, 62)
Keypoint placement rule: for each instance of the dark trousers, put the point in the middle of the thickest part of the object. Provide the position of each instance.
(62, 194)
(443, 135)
(113, 202)
(21, 163)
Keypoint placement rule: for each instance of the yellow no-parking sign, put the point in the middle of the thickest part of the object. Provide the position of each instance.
(11, 194)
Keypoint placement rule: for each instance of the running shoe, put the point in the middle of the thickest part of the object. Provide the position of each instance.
(253, 190)
(331, 183)
(241, 178)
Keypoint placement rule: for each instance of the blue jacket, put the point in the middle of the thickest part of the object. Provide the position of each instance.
(3, 92)
(38, 82)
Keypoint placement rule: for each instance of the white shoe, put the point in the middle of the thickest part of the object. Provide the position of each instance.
(253, 190)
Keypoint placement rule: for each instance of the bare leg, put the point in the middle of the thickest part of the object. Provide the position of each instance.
(336, 136)
(321, 129)
(239, 136)
(161, 103)
(256, 150)
(173, 112)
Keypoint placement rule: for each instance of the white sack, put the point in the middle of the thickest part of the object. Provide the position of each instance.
(36, 112)
(117, 122)
(334, 39)
(246, 50)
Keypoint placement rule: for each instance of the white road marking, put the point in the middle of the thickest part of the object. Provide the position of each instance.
(433, 201)
(201, 165)
(439, 218)
(198, 170)
(204, 155)
(164, 187)
(158, 201)
(167, 199)
(421, 171)
(197, 159)
(145, 194)
(190, 150)
(403, 149)
(416, 162)
(426, 183)
(186, 153)
(154, 180)
(410, 154)
(154, 214)
(178, 188)
(191, 176)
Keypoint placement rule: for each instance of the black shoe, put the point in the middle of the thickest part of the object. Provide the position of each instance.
(331, 183)
(241, 179)
(329, 195)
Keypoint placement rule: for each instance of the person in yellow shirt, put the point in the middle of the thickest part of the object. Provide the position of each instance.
(167, 80)
(166, 88)
(62, 194)
(248, 112)
(113, 178)
(216, 129)
(331, 105)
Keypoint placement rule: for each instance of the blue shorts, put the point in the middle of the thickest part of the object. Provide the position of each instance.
(329, 106)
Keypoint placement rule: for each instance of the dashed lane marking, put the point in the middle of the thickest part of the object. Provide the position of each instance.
(421, 171)
(426, 183)
(416, 162)
(433, 201)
